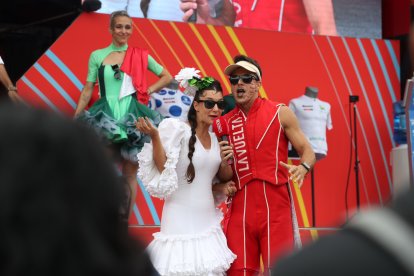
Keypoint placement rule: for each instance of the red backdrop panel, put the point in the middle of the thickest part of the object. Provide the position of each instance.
(338, 66)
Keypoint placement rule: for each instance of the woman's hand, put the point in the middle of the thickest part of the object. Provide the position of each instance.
(229, 188)
(145, 126)
(226, 152)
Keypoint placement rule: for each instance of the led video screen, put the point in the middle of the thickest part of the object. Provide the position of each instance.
(351, 18)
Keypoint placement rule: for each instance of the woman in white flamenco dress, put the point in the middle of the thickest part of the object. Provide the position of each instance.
(191, 240)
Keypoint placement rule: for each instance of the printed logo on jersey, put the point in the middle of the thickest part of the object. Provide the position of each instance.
(307, 107)
(186, 100)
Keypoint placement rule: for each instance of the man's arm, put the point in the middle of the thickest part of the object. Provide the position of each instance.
(320, 14)
(227, 15)
(4, 78)
(299, 142)
(6, 81)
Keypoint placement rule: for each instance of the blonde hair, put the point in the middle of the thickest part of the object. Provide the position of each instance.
(116, 14)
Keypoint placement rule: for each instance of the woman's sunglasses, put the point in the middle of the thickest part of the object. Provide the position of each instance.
(209, 104)
(117, 70)
(245, 78)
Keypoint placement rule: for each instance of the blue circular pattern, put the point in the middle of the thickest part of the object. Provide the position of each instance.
(162, 92)
(186, 100)
(158, 103)
(171, 92)
(175, 110)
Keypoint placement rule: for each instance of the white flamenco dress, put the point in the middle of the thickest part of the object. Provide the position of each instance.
(191, 241)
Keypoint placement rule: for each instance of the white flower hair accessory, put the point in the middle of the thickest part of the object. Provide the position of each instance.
(184, 76)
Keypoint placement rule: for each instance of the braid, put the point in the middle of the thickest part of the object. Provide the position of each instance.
(192, 119)
(190, 174)
(144, 7)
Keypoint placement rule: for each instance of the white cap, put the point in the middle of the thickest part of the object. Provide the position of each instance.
(243, 64)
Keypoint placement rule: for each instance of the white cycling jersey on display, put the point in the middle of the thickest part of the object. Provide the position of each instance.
(314, 117)
(171, 103)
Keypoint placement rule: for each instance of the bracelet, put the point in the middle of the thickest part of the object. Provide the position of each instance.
(149, 91)
(306, 166)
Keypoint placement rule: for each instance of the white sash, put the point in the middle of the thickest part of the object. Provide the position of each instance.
(127, 88)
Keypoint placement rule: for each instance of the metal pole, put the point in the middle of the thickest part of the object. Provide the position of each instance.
(313, 197)
(356, 159)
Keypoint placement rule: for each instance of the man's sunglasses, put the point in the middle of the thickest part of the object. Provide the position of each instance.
(245, 78)
(209, 104)
(117, 70)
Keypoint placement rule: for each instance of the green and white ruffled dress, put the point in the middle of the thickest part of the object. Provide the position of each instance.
(114, 118)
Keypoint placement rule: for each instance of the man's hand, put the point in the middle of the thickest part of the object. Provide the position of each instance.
(297, 173)
(15, 97)
(200, 6)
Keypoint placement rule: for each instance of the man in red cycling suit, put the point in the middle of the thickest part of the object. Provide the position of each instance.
(261, 220)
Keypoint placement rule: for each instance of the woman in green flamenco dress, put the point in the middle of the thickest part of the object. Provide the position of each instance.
(121, 74)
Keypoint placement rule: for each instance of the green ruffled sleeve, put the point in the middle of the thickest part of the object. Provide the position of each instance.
(93, 67)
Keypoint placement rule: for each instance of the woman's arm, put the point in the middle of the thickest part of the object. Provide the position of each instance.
(162, 73)
(159, 156)
(164, 79)
(84, 98)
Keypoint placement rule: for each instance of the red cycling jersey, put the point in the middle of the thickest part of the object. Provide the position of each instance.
(277, 15)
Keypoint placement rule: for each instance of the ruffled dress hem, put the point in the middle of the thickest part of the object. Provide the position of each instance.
(200, 254)
(123, 130)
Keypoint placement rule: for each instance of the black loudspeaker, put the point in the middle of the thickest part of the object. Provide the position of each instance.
(91, 5)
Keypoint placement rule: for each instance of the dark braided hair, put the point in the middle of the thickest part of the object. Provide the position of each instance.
(144, 7)
(192, 119)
